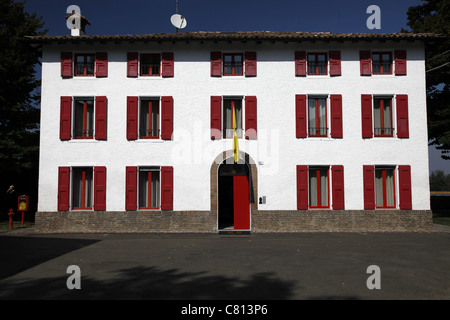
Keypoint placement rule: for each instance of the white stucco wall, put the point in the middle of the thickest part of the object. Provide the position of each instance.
(276, 151)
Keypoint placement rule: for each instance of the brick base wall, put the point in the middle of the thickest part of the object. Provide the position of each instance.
(262, 221)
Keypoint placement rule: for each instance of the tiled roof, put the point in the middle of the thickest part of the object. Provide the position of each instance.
(243, 36)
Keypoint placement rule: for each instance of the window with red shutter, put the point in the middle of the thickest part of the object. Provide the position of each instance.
(300, 63)
(366, 116)
(132, 118)
(369, 187)
(167, 64)
(101, 118)
(250, 64)
(65, 128)
(131, 189)
(132, 64)
(167, 118)
(335, 63)
(101, 64)
(300, 116)
(66, 65)
(63, 188)
(302, 187)
(250, 117)
(337, 172)
(216, 64)
(336, 116)
(216, 117)
(402, 116)
(400, 62)
(404, 177)
(99, 188)
(166, 188)
(365, 63)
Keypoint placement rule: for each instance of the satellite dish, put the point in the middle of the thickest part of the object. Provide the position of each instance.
(178, 21)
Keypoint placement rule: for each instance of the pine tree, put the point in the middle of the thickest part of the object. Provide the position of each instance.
(19, 97)
(433, 16)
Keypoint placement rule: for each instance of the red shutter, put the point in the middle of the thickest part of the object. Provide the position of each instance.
(338, 187)
(251, 117)
(300, 116)
(335, 63)
(404, 182)
(65, 126)
(400, 62)
(132, 64)
(63, 188)
(336, 116)
(167, 64)
(166, 188)
(216, 117)
(132, 118)
(369, 187)
(250, 64)
(300, 63)
(99, 188)
(402, 116)
(166, 118)
(101, 64)
(216, 64)
(131, 189)
(366, 115)
(66, 65)
(365, 61)
(302, 187)
(101, 105)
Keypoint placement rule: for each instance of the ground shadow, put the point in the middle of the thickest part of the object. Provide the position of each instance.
(151, 283)
(21, 253)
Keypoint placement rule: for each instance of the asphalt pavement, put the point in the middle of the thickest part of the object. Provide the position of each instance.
(205, 267)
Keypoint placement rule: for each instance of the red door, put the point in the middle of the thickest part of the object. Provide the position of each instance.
(241, 203)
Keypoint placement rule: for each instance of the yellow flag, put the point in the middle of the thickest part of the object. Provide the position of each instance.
(235, 137)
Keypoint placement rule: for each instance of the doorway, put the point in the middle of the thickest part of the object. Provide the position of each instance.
(234, 197)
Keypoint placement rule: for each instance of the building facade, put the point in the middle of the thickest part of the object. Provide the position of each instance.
(137, 133)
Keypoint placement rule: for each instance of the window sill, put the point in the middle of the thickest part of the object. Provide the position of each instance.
(149, 140)
(83, 141)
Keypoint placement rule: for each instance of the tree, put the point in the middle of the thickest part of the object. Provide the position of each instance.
(19, 96)
(439, 181)
(433, 16)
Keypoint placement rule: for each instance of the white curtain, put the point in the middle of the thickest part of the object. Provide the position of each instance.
(155, 189)
(377, 116)
(155, 118)
(379, 188)
(390, 187)
(313, 185)
(89, 118)
(382, 191)
(387, 117)
(322, 116)
(324, 187)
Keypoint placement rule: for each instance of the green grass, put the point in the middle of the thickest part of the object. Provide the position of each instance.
(441, 217)
(4, 225)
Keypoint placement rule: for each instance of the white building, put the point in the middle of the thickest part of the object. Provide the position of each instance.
(136, 133)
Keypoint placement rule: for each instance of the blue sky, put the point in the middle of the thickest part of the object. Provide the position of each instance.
(153, 16)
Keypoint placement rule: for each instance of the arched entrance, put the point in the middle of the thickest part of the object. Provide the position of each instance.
(233, 191)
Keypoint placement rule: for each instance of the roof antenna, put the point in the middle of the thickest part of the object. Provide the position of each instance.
(177, 20)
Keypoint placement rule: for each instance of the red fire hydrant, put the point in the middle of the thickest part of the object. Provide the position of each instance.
(11, 214)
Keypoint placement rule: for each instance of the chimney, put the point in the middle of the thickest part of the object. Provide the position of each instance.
(77, 24)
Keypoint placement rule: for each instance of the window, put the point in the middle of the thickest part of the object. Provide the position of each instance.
(318, 187)
(222, 117)
(82, 189)
(317, 63)
(150, 64)
(149, 188)
(384, 187)
(233, 64)
(382, 63)
(382, 117)
(149, 119)
(317, 117)
(228, 106)
(84, 64)
(84, 119)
